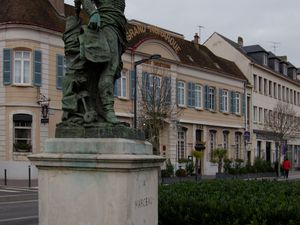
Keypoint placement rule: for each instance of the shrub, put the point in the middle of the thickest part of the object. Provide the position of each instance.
(181, 173)
(233, 202)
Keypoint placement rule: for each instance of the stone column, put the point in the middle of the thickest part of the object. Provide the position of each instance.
(90, 181)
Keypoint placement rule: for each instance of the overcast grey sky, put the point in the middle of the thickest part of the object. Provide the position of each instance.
(262, 22)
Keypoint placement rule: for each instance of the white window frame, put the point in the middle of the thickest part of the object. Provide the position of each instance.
(212, 98)
(225, 100)
(181, 146)
(225, 140)
(22, 125)
(276, 66)
(238, 144)
(284, 69)
(181, 93)
(255, 114)
(22, 61)
(265, 59)
(198, 96)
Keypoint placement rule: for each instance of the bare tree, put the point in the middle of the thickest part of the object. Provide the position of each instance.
(283, 124)
(156, 109)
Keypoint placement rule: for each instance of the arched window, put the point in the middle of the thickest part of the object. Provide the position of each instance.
(22, 138)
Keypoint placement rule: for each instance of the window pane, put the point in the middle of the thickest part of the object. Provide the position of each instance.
(26, 55)
(18, 55)
(26, 71)
(17, 71)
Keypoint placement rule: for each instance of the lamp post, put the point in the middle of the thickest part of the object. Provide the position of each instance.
(151, 57)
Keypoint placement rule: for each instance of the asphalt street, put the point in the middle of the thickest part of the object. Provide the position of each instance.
(18, 206)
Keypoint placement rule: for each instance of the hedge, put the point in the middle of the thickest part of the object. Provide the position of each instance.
(231, 202)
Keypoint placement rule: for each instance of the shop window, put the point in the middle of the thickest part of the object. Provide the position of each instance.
(22, 139)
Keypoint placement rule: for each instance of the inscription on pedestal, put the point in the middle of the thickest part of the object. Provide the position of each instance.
(143, 202)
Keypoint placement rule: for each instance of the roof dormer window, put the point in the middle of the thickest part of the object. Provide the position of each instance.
(276, 66)
(265, 59)
(284, 69)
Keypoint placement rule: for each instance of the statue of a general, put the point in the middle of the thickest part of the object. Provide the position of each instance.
(93, 59)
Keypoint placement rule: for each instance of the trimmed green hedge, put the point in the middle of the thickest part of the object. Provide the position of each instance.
(230, 203)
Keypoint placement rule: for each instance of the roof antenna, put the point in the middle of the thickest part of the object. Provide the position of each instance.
(275, 45)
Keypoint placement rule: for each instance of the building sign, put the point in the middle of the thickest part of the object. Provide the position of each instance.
(247, 136)
(137, 30)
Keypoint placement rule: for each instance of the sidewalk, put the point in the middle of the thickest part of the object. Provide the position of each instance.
(19, 183)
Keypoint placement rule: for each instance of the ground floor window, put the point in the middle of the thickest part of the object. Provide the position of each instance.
(22, 139)
(212, 142)
(181, 147)
(238, 144)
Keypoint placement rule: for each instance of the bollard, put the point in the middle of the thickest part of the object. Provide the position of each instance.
(29, 176)
(5, 177)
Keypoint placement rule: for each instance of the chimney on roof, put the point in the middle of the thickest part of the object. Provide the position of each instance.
(59, 6)
(196, 39)
(240, 41)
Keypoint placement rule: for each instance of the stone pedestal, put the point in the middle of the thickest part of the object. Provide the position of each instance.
(97, 182)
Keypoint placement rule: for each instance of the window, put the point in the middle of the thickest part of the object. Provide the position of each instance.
(225, 101)
(265, 115)
(238, 144)
(283, 93)
(298, 97)
(22, 67)
(60, 70)
(22, 124)
(276, 66)
(260, 84)
(295, 98)
(254, 114)
(275, 90)
(198, 96)
(238, 103)
(265, 87)
(211, 98)
(270, 88)
(181, 147)
(260, 116)
(255, 82)
(279, 92)
(181, 93)
(212, 142)
(121, 86)
(265, 59)
(225, 139)
(284, 69)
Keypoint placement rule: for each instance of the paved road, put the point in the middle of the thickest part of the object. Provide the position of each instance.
(18, 206)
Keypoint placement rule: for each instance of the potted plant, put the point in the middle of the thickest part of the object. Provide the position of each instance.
(218, 156)
(199, 146)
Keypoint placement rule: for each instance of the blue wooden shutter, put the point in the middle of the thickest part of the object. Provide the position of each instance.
(206, 105)
(167, 89)
(131, 83)
(37, 68)
(145, 86)
(59, 71)
(190, 94)
(221, 100)
(214, 98)
(7, 66)
(243, 104)
(233, 102)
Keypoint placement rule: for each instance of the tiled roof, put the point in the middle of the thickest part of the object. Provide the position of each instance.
(194, 55)
(37, 13)
(42, 14)
(254, 48)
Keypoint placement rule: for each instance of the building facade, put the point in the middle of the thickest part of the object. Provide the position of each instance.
(211, 93)
(273, 79)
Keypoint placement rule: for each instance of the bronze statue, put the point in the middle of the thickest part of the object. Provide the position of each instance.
(93, 58)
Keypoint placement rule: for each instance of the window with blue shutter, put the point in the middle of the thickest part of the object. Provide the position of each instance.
(221, 99)
(37, 68)
(233, 102)
(132, 83)
(206, 97)
(167, 89)
(59, 71)
(191, 95)
(243, 104)
(7, 66)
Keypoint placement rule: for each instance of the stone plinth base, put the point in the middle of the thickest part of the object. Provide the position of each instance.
(110, 184)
